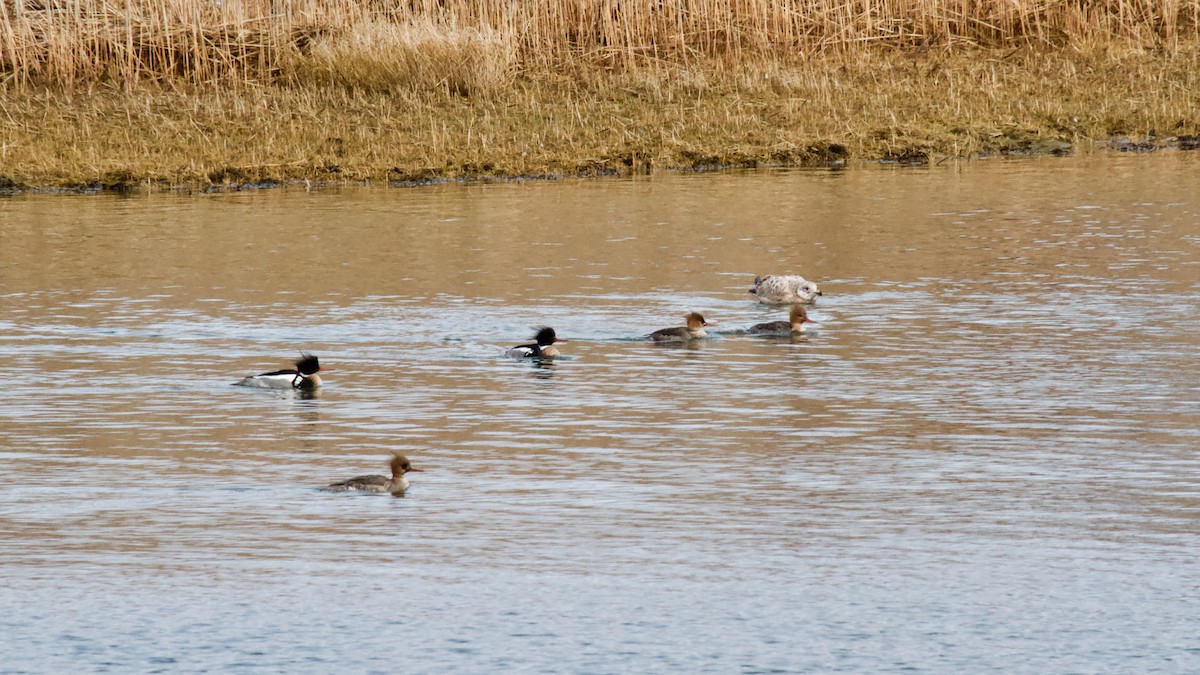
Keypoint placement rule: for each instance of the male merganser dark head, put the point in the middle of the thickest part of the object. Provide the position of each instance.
(303, 376)
(375, 483)
(306, 371)
(543, 345)
(694, 330)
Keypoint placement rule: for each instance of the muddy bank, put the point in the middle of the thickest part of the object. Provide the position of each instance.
(238, 178)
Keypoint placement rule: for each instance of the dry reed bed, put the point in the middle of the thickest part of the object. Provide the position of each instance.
(61, 42)
(200, 91)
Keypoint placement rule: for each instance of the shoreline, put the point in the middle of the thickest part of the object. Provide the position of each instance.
(125, 185)
(885, 105)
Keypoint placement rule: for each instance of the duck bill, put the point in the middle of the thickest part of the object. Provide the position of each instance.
(560, 340)
(417, 470)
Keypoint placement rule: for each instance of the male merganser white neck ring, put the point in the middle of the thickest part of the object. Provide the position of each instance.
(303, 376)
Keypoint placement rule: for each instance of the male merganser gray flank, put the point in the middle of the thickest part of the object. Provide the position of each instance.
(694, 330)
(797, 318)
(304, 376)
(542, 347)
(784, 288)
(375, 483)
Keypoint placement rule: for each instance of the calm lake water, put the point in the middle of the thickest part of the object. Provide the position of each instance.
(983, 459)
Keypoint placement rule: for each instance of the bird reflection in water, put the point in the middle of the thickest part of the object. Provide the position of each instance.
(543, 369)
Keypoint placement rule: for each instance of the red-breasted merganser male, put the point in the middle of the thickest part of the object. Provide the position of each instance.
(396, 485)
(784, 288)
(544, 346)
(795, 324)
(304, 376)
(693, 331)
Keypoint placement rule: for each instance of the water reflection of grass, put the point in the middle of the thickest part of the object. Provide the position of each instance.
(196, 93)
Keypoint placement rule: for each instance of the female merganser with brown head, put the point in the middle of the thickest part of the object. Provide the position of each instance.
(694, 330)
(544, 346)
(304, 376)
(396, 485)
(784, 288)
(795, 324)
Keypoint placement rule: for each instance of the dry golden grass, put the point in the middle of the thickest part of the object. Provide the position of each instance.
(65, 41)
(198, 91)
(382, 56)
